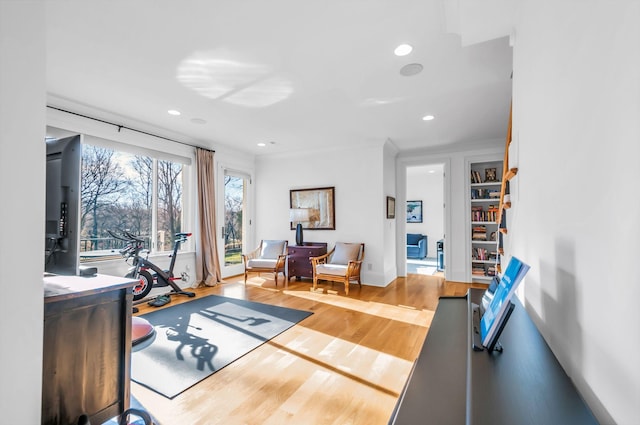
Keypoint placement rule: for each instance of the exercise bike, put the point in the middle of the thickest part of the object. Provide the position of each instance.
(148, 274)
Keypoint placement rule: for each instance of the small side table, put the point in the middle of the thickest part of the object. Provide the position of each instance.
(298, 263)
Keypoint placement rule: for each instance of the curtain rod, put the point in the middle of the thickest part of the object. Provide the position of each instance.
(120, 126)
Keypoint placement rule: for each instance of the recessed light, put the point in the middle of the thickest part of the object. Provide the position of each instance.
(261, 144)
(403, 50)
(428, 117)
(198, 121)
(432, 171)
(173, 112)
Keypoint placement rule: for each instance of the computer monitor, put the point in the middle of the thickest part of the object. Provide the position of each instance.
(497, 312)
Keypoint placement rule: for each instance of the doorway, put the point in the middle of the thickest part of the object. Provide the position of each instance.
(425, 219)
(234, 222)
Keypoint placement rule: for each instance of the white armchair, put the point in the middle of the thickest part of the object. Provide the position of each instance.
(270, 256)
(341, 264)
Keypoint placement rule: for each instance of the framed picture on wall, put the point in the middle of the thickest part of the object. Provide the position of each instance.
(414, 211)
(391, 207)
(319, 204)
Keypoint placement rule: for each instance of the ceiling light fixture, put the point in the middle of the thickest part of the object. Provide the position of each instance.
(261, 144)
(428, 117)
(173, 112)
(403, 50)
(198, 121)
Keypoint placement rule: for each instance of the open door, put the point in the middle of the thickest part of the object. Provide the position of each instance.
(233, 236)
(425, 219)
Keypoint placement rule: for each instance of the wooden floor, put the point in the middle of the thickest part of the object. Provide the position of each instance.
(345, 364)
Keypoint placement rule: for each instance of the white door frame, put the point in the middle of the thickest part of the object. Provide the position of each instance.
(401, 217)
(247, 221)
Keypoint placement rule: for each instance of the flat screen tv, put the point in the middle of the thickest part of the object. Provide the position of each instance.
(497, 312)
(62, 239)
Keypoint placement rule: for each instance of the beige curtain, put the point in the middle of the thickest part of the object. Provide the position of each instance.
(207, 263)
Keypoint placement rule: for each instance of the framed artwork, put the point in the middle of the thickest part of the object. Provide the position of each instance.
(490, 175)
(414, 211)
(391, 207)
(321, 205)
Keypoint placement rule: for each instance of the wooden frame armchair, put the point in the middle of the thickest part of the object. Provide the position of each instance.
(341, 264)
(269, 257)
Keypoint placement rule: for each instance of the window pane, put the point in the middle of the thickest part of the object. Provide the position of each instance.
(169, 203)
(116, 196)
(233, 219)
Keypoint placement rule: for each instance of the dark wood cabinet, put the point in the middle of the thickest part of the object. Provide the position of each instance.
(298, 263)
(86, 348)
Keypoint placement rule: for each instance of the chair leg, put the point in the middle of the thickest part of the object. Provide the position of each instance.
(346, 287)
(276, 277)
(245, 278)
(315, 283)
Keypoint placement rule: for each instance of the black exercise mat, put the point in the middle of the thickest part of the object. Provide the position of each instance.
(196, 339)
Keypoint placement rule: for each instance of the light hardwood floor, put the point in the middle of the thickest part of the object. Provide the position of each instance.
(345, 364)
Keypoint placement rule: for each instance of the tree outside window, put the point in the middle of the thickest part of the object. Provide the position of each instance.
(117, 195)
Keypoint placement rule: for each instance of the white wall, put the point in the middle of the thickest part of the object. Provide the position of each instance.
(356, 174)
(428, 187)
(389, 225)
(22, 173)
(576, 215)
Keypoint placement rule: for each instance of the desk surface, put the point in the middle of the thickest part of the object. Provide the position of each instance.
(452, 384)
(437, 388)
(59, 287)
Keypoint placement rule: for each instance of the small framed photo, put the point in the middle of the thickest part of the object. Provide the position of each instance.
(391, 207)
(490, 175)
(414, 211)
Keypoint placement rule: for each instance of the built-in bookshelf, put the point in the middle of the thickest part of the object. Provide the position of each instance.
(485, 192)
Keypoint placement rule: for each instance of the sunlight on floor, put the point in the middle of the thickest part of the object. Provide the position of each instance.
(313, 372)
(399, 313)
(365, 367)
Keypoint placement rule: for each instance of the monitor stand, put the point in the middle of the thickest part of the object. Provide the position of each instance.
(476, 340)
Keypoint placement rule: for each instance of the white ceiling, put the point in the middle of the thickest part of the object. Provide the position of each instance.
(293, 74)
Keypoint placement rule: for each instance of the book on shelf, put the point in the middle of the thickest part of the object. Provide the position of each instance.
(477, 271)
(478, 213)
(479, 233)
(480, 254)
(484, 194)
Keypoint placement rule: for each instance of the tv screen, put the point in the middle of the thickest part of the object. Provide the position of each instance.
(497, 313)
(62, 214)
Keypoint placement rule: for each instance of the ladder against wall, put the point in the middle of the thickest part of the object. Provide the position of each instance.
(508, 173)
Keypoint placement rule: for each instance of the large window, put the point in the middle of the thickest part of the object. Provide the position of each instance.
(123, 192)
